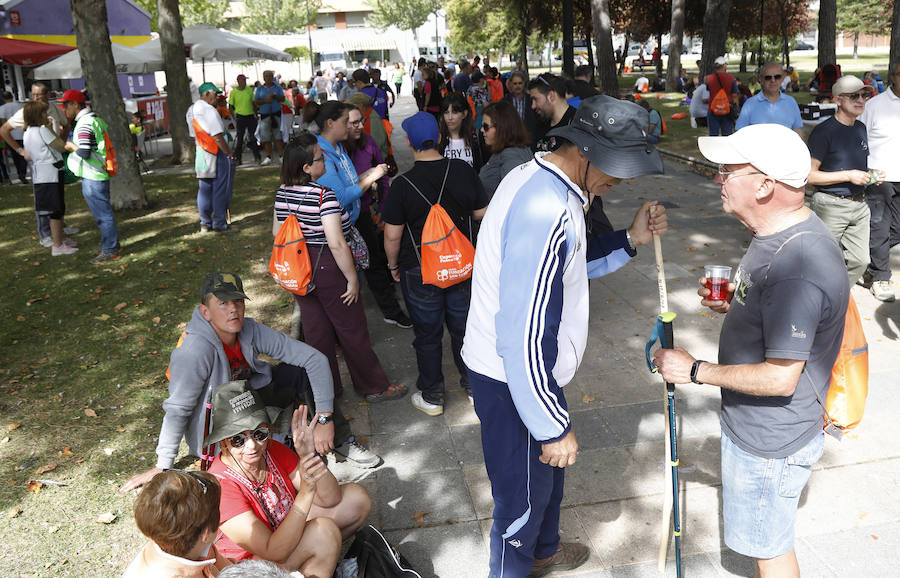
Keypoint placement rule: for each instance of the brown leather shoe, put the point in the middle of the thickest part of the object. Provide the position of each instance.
(569, 555)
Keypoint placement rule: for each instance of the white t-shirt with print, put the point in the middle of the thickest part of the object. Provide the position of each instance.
(457, 149)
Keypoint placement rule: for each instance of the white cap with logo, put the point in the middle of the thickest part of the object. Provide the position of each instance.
(774, 149)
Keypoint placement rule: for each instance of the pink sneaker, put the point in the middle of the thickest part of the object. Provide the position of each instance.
(69, 242)
(63, 250)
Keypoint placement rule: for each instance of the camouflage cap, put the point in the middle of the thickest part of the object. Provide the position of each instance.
(225, 286)
(237, 407)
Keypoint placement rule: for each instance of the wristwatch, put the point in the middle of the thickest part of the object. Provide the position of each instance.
(694, 369)
(324, 419)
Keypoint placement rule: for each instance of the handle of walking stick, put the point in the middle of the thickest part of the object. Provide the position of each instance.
(660, 270)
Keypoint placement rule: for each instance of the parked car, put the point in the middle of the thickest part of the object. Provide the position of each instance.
(665, 49)
(800, 45)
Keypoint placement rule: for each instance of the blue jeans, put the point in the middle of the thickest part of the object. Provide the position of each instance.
(760, 497)
(214, 195)
(96, 195)
(429, 308)
(720, 124)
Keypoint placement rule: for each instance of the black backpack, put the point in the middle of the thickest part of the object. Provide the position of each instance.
(377, 558)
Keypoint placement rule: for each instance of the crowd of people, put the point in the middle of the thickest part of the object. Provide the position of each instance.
(500, 154)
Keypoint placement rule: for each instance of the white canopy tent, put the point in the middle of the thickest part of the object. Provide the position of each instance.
(207, 43)
(128, 61)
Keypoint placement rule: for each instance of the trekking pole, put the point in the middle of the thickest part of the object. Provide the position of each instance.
(662, 332)
(207, 453)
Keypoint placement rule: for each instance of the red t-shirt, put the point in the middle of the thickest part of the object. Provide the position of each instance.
(239, 495)
(240, 369)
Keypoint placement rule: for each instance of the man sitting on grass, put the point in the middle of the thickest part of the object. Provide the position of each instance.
(219, 345)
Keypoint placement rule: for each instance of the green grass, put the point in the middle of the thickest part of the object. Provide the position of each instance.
(76, 336)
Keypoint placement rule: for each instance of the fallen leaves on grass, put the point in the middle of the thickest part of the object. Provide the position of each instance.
(14, 513)
(46, 468)
(120, 429)
(66, 452)
(5, 440)
(89, 412)
(106, 518)
(103, 317)
(13, 426)
(34, 486)
(120, 306)
(587, 398)
(420, 516)
(156, 320)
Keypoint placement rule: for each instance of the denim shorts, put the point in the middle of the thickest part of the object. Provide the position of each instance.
(760, 497)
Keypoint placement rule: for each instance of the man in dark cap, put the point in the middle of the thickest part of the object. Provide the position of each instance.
(219, 345)
(528, 320)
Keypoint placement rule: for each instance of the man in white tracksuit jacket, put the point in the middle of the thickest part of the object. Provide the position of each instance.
(528, 320)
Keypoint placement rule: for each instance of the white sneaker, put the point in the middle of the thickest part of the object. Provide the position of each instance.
(46, 242)
(69, 242)
(266, 162)
(63, 250)
(420, 404)
(882, 290)
(357, 454)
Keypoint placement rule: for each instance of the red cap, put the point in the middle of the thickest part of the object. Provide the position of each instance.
(240, 76)
(73, 96)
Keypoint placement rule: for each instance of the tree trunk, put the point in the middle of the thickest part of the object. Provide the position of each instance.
(744, 48)
(590, 50)
(827, 32)
(895, 36)
(623, 57)
(92, 36)
(608, 80)
(178, 90)
(676, 41)
(568, 38)
(525, 24)
(659, 67)
(856, 45)
(785, 47)
(715, 33)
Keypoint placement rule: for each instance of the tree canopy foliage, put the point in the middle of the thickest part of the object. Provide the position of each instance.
(193, 12)
(404, 14)
(277, 16)
(863, 17)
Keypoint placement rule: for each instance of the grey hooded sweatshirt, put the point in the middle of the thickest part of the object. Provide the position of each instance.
(199, 362)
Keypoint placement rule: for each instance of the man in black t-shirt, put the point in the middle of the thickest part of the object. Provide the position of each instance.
(782, 333)
(548, 100)
(840, 150)
(456, 186)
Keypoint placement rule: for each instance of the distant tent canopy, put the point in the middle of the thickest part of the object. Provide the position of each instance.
(27, 53)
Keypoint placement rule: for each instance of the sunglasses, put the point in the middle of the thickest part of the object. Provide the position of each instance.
(726, 174)
(259, 435)
(858, 95)
(486, 126)
(773, 76)
(542, 79)
(200, 480)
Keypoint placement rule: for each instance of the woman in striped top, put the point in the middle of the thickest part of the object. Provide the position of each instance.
(332, 313)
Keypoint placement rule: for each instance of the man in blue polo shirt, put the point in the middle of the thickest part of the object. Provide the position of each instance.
(268, 98)
(770, 105)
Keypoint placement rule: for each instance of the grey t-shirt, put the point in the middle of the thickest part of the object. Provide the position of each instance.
(790, 303)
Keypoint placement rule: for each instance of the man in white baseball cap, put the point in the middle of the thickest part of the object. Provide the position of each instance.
(840, 149)
(782, 333)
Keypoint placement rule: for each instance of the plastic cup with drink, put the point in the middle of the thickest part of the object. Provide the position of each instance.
(717, 278)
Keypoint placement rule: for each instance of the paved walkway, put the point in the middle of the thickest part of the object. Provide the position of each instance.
(432, 495)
